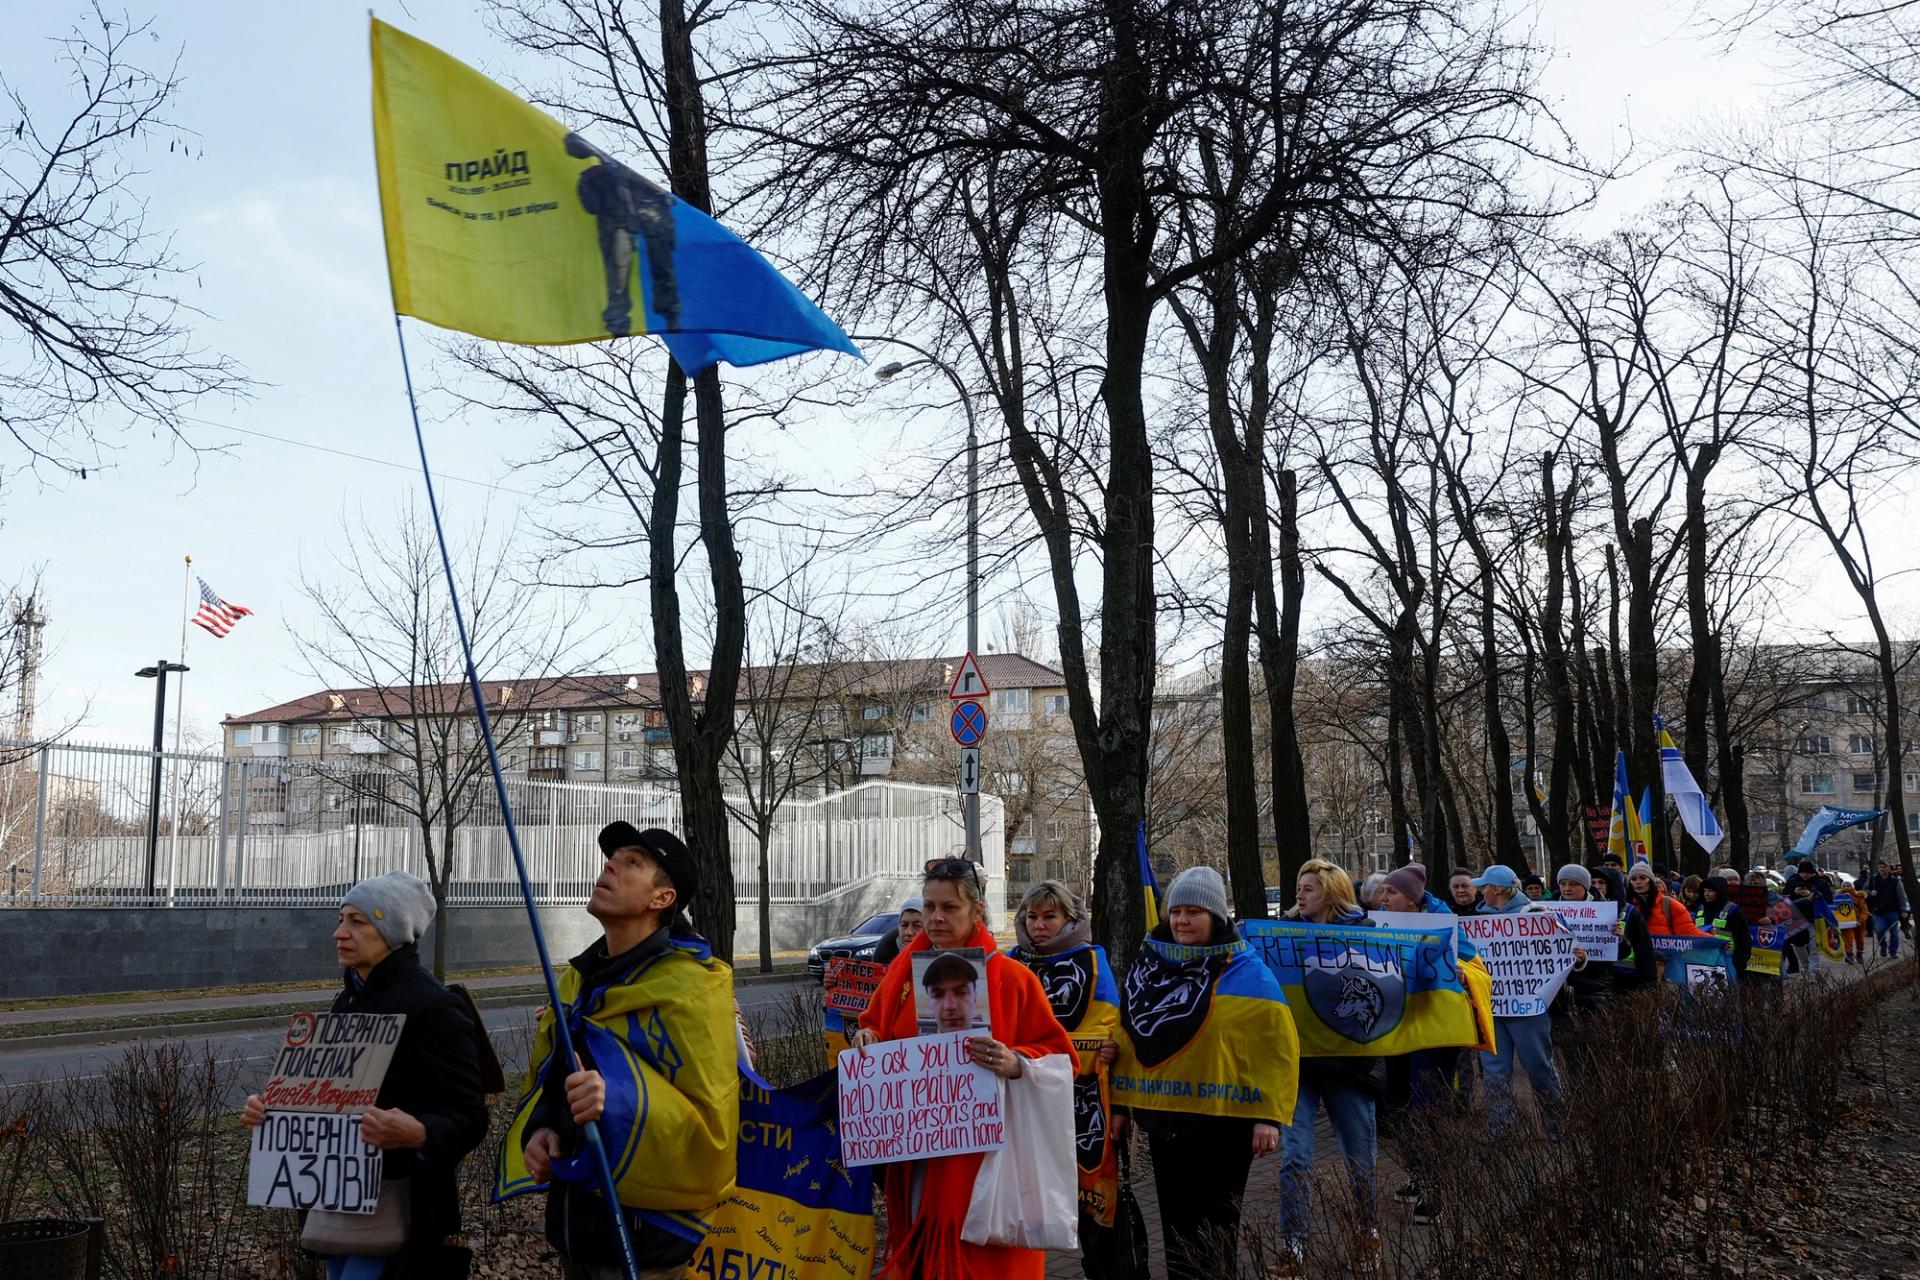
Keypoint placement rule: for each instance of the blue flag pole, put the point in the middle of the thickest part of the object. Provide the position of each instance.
(591, 1129)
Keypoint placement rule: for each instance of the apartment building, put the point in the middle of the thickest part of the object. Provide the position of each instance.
(862, 720)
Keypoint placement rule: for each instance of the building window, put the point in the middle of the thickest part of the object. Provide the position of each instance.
(627, 758)
(626, 724)
(586, 759)
(513, 761)
(1056, 705)
(1816, 784)
(1014, 781)
(1910, 782)
(302, 802)
(1766, 822)
(875, 711)
(1817, 744)
(1013, 700)
(1860, 744)
(588, 723)
(269, 733)
(307, 735)
(243, 736)
(548, 758)
(877, 746)
(1026, 827)
(1857, 705)
(921, 711)
(1056, 829)
(1913, 822)
(1865, 783)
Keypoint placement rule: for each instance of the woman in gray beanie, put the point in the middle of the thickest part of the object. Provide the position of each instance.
(430, 1111)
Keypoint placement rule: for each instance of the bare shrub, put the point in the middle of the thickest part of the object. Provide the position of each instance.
(22, 1111)
(151, 1145)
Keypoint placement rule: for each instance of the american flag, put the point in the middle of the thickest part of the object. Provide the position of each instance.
(214, 614)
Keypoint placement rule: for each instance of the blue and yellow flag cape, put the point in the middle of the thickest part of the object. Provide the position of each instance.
(1081, 992)
(1366, 992)
(1149, 883)
(502, 223)
(1205, 1030)
(796, 1212)
(661, 1032)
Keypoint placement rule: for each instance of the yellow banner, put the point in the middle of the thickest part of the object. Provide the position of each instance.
(485, 211)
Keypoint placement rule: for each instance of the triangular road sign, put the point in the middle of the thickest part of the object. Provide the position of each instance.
(967, 681)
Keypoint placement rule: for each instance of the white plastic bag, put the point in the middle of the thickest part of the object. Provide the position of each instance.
(1027, 1194)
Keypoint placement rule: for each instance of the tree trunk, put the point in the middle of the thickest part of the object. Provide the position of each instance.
(766, 898)
(699, 739)
(1279, 664)
(1560, 686)
(1704, 674)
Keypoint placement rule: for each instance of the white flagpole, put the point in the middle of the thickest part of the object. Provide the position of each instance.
(179, 728)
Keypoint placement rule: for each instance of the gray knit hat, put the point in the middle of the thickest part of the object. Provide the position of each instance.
(1578, 874)
(399, 903)
(1199, 887)
(1410, 880)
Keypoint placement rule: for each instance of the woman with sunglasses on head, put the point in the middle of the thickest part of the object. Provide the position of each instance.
(927, 1199)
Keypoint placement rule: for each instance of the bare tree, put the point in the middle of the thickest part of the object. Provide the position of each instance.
(384, 627)
(794, 684)
(94, 337)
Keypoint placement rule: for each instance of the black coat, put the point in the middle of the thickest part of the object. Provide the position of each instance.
(435, 1078)
(1727, 910)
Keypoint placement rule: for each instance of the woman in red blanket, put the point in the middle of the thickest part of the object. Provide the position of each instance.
(927, 1199)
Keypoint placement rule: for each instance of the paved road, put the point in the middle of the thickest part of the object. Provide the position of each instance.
(250, 1050)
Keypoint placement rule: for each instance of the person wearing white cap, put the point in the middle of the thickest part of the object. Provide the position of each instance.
(905, 931)
(1528, 1038)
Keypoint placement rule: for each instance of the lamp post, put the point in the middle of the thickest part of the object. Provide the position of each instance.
(157, 673)
(970, 804)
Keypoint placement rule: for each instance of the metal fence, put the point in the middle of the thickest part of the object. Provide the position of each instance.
(76, 829)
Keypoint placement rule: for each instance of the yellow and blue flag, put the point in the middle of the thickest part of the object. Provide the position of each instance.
(1205, 1030)
(667, 1050)
(1149, 883)
(796, 1212)
(503, 223)
(1367, 992)
(1082, 994)
(1695, 960)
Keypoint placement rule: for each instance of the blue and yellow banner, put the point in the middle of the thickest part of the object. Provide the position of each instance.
(1205, 1030)
(502, 223)
(1366, 992)
(1769, 949)
(1082, 994)
(796, 1213)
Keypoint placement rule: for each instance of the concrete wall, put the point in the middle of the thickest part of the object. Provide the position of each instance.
(70, 951)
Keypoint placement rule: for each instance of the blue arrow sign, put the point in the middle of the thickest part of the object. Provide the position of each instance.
(969, 723)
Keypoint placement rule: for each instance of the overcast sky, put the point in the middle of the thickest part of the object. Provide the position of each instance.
(281, 214)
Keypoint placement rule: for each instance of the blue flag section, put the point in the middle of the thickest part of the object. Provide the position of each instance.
(796, 1212)
(1698, 963)
(1830, 822)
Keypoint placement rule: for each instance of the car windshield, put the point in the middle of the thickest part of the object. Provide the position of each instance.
(882, 923)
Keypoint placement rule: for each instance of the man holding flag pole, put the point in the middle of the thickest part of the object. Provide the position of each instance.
(502, 223)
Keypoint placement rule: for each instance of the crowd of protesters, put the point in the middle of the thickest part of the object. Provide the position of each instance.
(678, 1114)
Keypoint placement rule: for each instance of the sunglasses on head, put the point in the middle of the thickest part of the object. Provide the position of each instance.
(953, 869)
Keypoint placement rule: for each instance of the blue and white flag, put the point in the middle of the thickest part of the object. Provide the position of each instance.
(1696, 815)
(1830, 822)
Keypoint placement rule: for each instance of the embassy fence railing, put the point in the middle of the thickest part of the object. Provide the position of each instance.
(76, 829)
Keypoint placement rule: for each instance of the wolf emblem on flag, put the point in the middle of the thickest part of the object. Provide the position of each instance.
(1356, 998)
(1166, 1005)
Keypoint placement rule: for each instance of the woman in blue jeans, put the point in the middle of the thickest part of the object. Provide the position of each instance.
(1528, 1038)
(1347, 1087)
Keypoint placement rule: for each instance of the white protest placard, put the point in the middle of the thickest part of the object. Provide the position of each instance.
(1529, 954)
(911, 1099)
(332, 1061)
(312, 1160)
(308, 1154)
(1419, 922)
(1592, 925)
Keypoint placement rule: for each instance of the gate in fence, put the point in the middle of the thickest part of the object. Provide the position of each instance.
(77, 829)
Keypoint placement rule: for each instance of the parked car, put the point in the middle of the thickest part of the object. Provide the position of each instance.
(857, 943)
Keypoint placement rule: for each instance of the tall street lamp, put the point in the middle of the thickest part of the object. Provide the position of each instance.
(157, 673)
(970, 804)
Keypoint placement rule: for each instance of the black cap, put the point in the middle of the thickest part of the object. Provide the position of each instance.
(664, 847)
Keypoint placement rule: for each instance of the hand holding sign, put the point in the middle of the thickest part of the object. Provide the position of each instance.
(391, 1130)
